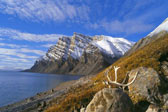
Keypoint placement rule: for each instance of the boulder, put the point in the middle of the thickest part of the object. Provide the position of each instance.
(110, 100)
(165, 101)
(164, 68)
(82, 110)
(146, 86)
(154, 108)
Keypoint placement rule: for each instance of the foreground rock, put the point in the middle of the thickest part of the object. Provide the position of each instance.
(110, 100)
(146, 86)
(153, 108)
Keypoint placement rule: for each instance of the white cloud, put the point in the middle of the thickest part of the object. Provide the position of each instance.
(7, 58)
(47, 45)
(43, 10)
(12, 45)
(130, 16)
(38, 52)
(21, 52)
(11, 55)
(10, 62)
(11, 66)
(15, 34)
(127, 27)
(1, 39)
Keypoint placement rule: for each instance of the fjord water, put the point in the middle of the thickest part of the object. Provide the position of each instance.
(16, 86)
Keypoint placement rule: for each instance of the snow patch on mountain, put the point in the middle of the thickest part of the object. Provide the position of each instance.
(76, 45)
(161, 27)
(113, 46)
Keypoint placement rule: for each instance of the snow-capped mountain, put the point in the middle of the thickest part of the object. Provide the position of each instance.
(82, 54)
(76, 45)
(67, 46)
(157, 33)
(113, 46)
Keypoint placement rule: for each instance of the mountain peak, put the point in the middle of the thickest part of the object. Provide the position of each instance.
(82, 54)
(75, 46)
(162, 27)
(75, 34)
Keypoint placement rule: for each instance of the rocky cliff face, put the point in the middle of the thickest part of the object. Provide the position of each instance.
(81, 55)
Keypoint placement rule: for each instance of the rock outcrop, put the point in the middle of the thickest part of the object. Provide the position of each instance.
(145, 93)
(110, 100)
(153, 108)
(146, 86)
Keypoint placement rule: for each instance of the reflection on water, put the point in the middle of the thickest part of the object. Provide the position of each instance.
(15, 86)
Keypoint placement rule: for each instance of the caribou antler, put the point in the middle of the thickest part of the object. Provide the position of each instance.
(115, 81)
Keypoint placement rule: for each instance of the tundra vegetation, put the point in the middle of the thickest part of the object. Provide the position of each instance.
(150, 56)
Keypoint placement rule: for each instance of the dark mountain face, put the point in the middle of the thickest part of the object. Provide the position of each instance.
(87, 64)
(82, 55)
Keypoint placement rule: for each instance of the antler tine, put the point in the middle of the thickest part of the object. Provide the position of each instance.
(115, 81)
(116, 69)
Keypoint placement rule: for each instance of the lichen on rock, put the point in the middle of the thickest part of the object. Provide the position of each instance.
(146, 86)
(110, 100)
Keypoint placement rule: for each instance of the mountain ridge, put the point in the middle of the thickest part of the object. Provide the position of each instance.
(72, 55)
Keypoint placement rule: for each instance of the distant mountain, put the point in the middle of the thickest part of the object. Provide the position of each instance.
(81, 54)
(160, 31)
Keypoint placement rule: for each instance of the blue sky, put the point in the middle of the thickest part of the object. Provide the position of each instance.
(29, 27)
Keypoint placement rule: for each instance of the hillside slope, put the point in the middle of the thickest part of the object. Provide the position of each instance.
(153, 55)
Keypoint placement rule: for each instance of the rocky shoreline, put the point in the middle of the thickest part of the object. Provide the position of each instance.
(41, 101)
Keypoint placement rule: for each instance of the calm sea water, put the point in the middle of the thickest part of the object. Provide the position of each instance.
(16, 86)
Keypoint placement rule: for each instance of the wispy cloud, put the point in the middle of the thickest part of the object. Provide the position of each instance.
(13, 59)
(127, 26)
(21, 52)
(12, 45)
(12, 66)
(44, 10)
(15, 34)
(1, 39)
(19, 58)
(38, 52)
(130, 16)
(47, 45)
